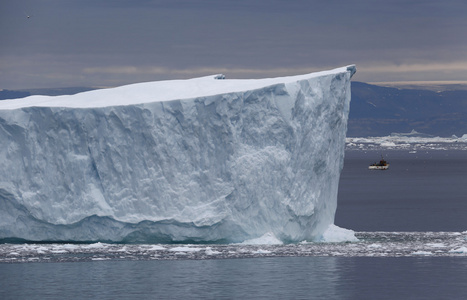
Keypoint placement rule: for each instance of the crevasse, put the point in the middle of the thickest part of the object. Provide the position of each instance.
(200, 160)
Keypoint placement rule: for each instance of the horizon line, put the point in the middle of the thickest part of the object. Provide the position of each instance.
(419, 82)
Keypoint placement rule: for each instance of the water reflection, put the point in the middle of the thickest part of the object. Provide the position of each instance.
(258, 278)
(251, 278)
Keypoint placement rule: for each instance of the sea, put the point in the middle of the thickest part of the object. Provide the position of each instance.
(411, 222)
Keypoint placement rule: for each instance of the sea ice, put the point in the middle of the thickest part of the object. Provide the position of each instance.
(390, 244)
(185, 249)
(200, 160)
(422, 253)
(459, 250)
(336, 234)
(266, 239)
(413, 141)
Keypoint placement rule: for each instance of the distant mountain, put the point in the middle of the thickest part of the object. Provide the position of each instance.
(8, 94)
(374, 110)
(15, 94)
(380, 111)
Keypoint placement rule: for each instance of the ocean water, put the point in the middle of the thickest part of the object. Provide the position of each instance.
(253, 278)
(423, 190)
(410, 221)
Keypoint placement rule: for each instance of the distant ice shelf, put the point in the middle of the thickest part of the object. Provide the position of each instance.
(200, 160)
(407, 141)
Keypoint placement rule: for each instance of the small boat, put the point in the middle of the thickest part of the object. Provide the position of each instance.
(382, 165)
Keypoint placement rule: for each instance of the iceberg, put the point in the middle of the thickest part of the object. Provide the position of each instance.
(201, 160)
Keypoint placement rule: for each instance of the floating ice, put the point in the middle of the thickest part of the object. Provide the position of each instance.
(185, 249)
(266, 239)
(459, 250)
(209, 251)
(335, 234)
(261, 251)
(200, 160)
(156, 247)
(369, 244)
(95, 245)
(413, 141)
(388, 144)
(422, 253)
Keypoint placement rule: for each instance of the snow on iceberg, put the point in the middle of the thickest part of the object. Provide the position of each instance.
(202, 160)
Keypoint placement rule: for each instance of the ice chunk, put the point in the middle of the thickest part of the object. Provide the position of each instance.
(335, 234)
(209, 251)
(266, 239)
(459, 250)
(421, 252)
(388, 144)
(261, 251)
(199, 160)
(185, 249)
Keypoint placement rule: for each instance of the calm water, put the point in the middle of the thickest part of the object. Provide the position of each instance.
(423, 191)
(255, 278)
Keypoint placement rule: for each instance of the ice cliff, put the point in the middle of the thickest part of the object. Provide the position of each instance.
(200, 160)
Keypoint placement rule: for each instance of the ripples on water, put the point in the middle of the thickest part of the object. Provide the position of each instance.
(371, 244)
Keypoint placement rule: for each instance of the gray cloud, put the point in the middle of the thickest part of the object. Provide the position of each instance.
(102, 43)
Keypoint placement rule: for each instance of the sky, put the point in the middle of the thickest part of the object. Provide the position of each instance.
(103, 43)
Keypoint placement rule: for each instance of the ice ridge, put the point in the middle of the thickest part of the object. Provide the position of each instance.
(200, 160)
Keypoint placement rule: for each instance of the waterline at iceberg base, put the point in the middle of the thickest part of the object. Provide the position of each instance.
(202, 160)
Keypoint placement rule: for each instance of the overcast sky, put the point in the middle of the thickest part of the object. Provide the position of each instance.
(114, 42)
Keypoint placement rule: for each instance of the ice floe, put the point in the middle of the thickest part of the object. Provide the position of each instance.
(369, 244)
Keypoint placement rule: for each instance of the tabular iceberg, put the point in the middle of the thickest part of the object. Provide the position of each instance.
(200, 160)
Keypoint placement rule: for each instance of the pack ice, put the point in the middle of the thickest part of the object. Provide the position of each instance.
(200, 160)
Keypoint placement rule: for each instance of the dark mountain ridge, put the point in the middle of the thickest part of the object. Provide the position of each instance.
(380, 111)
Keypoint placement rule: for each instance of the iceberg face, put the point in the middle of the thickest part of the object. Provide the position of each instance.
(200, 160)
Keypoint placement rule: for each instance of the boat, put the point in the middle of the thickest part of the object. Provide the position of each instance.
(382, 165)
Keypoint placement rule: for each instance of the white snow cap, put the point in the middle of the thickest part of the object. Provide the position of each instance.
(159, 91)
